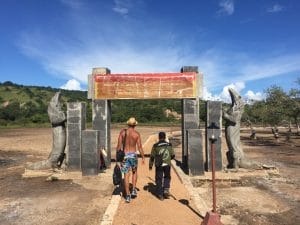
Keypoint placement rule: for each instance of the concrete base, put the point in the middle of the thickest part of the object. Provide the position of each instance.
(212, 218)
(90, 152)
(195, 152)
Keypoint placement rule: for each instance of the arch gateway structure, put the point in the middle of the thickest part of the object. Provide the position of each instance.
(83, 146)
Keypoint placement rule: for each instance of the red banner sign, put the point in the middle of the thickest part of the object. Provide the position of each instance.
(145, 86)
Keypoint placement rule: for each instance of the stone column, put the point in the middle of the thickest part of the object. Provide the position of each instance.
(102, 119)
(214, 120)
(195, 152)
(190, 117)
(76, 122)
(101, 122)
(90, 152)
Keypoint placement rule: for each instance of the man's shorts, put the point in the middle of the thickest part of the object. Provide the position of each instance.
(130, 162)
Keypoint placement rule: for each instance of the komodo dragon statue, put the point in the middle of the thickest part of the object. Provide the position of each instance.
(235, 155)
(57, 118)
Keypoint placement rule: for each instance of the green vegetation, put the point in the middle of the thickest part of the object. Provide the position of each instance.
(279, 108)
(26, 106)
(144, 111)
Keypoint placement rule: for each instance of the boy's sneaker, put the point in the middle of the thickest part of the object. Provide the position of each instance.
(134, 193)
(127, 199)
(160, 197)
(166, 193)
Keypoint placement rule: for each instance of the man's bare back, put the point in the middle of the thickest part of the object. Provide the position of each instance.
(133, 140)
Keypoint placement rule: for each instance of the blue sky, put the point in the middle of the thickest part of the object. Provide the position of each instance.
(249, 45)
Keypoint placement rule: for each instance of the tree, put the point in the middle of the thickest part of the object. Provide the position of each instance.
(11, 112)
(294, 105)
(256, 113)
(276, 105)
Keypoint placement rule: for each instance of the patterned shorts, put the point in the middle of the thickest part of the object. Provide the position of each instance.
(130, 163)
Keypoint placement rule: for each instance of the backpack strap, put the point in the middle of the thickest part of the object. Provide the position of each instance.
(124, 140)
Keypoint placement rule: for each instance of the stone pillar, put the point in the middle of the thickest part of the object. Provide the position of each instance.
(195, 152)
(101, 122)
(190, 117)
(91, 87)
(76, 119)
(214, 120)
(101, 115)
(90, 152)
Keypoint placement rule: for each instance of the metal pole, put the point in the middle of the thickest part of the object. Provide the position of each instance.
(212, 218)
(213, 173)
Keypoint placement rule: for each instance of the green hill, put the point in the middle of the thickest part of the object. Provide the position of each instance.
(27, 106)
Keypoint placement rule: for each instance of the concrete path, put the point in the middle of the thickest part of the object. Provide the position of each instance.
(146, 209)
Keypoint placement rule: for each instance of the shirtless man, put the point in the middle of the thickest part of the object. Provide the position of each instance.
(130, 162)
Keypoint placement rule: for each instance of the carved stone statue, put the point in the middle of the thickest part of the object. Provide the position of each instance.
(235, 155)
(57, 118)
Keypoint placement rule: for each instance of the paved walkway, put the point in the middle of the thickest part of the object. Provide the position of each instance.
(146, 209)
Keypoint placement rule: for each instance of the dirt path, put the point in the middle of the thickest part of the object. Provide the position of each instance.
(147, 209)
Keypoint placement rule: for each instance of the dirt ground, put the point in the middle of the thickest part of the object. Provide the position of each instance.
(270, 198)
(36, 199)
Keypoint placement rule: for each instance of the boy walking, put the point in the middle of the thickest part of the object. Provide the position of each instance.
(162, 153)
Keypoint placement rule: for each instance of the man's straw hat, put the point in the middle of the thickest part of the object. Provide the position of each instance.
(132, 121)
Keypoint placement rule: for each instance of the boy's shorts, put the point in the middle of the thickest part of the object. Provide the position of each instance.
(130, 162)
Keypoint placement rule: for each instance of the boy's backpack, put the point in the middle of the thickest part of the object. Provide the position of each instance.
(117, 175)
(162, 156)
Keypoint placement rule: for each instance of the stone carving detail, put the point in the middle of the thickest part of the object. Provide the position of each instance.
(57, 118)
(235, 155)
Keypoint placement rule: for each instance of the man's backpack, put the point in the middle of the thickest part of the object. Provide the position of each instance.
(117, 175)
(120, 152)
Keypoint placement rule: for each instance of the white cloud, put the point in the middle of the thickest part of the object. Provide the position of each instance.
(226, 7)
(126, 56)
(117, 45)
(209, 96)
(224, 95)
(269, 67)
(122, 6)
(71, 85)
(118, 55)
(251, 96)
(275, 8)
